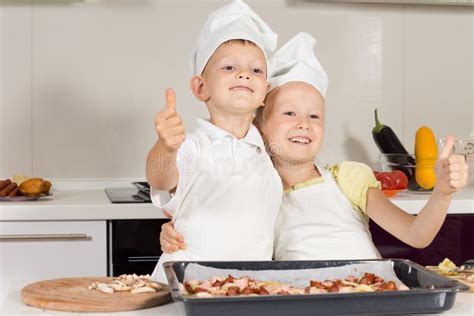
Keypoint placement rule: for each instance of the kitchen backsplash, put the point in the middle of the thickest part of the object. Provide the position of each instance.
(81, 82)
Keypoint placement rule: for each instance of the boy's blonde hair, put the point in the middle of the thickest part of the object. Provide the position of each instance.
(239, 41)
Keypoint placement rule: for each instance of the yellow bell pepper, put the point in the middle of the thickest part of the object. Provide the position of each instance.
(426, 153)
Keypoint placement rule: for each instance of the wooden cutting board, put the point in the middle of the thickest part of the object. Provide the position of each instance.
(461, 276)
(73, 295)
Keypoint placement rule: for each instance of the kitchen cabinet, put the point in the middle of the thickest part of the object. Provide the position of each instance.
(454, 241)
(36, 250)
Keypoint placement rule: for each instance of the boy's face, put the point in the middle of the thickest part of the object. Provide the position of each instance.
(293, 122)
(235, 79)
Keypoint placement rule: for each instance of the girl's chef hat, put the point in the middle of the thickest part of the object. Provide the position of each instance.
(235, 20)
(296, 61)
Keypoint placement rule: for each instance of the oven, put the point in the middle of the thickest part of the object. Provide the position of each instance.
(133, 245)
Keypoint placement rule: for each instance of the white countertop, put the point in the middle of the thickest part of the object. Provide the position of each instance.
(462, 203)
(13, 305)
(76, 205)
(74, 202)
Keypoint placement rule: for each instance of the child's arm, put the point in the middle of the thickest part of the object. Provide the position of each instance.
(161, 170)
(419, 231)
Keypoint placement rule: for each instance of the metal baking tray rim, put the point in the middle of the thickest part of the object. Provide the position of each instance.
(307, 296)
(456, 286)
(304, 297)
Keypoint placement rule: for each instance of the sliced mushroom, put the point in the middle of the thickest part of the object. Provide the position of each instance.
(139, 284)
(105, 288)
(128, 282)
(144, 289)
(154, 285)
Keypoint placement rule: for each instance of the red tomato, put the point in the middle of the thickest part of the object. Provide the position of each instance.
(402, 179)
(376, 173)
(388, 180)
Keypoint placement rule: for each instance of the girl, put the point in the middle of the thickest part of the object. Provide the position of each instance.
(324, 214)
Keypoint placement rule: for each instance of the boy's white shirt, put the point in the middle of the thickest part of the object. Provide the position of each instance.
(318, 222)
(227, 199)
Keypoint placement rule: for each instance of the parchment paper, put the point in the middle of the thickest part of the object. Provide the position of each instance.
(297, 278)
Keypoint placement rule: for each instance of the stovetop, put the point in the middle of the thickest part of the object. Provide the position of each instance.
(139, 194)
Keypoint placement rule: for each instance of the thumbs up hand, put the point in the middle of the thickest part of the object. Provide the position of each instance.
(168, 124)
(451, 169)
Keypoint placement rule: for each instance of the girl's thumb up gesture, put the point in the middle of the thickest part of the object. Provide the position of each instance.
(451, 169)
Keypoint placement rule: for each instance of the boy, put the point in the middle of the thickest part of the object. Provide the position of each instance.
(226, 192)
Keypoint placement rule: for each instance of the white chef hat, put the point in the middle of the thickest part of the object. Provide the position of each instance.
(296, 61)
(235, 20)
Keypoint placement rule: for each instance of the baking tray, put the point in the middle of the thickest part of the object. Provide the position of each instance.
(429, 292)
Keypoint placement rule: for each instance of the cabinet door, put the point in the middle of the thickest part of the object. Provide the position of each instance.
(33, 251)
(454, 241)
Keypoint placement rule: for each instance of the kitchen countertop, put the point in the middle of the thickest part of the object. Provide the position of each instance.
(76, 205)
(13, 305)
(462, 203)
(70, 202)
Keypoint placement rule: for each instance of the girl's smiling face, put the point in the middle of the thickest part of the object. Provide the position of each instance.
(292, 123)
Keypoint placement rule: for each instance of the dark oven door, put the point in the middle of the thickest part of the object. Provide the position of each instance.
(134, 245)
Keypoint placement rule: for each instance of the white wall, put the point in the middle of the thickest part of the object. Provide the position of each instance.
(2, 163)
(81, 82)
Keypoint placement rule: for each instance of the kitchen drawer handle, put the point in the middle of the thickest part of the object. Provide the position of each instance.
(144, 259)
(45, 237)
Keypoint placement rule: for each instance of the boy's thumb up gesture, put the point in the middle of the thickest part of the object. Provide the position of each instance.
(451, 169)
(169, 125)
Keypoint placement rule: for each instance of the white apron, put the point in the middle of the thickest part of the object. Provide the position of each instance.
(317, 222)
(228, 209)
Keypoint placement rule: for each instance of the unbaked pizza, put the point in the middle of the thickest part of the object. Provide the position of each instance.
(244, 285)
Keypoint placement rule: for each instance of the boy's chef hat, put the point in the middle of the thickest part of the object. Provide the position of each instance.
(235, 20)
(296, 61)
